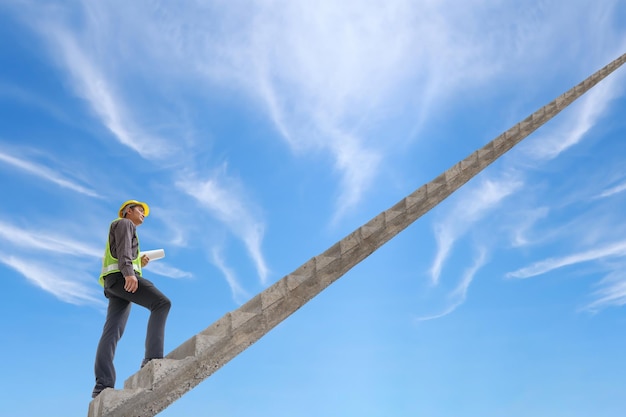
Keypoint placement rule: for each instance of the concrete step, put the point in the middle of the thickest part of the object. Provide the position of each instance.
(152, 373)
(144, 392)
(109, 400)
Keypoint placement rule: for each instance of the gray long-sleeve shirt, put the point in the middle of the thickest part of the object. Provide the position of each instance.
(124, 245)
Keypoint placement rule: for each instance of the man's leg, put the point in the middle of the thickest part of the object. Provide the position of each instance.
(117, 316)
(148, 296)
(159, 306)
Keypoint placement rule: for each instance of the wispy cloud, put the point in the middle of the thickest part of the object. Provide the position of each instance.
(612, 291)
(36, 255)
(239, 294)
(97, 86)
(521, 229)
(612, 191)
(574, 125)
(166, 270)
(45, 173)
(617, 249)
(459, 294)
(473, 205)
(223, 197)
(359, 166)
(321, 71)
(33, 240)
(54, 281)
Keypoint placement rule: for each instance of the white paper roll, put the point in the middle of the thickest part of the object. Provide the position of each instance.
(154, 254)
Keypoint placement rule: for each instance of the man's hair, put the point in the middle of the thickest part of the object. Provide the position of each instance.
(128, 207)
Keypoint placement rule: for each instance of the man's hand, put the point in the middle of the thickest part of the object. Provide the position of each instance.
(144, 260)
(131, 284)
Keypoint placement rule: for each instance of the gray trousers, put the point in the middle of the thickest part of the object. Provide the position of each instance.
(148, 296)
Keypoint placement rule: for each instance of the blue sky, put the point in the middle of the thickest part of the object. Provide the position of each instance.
(261, 133)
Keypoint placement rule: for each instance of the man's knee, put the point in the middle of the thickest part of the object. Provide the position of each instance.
(163, 304)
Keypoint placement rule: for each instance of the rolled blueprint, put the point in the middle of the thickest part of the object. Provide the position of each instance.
(154, 254)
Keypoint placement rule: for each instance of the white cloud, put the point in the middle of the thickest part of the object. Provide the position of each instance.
(239, 294)
(91, 81)
(612, 191)
(359, 167)
(165, 270)
(617, 249)
(526, 221)
(54, 281)
(611, 293)
(223, 198)
(34, 240)
(469, 208)
(43, 260)
(321, 70)
(45, 173)
(575, 124)
(459, 294)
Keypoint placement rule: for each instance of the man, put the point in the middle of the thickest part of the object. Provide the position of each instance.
(124, 284)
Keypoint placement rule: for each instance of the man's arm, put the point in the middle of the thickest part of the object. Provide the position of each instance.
(124, 233)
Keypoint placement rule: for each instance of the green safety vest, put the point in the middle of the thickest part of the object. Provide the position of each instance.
(110, 264)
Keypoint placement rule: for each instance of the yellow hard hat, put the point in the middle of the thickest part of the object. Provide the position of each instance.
(146, 209)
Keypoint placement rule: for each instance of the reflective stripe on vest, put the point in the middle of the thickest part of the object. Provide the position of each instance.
(110, 264)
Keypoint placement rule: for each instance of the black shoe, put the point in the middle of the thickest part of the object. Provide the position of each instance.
(145, 361)
(97, 390)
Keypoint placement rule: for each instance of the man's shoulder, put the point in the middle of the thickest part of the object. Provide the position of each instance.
(122, 224)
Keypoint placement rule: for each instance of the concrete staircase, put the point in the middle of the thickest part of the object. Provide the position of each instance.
(161, 382)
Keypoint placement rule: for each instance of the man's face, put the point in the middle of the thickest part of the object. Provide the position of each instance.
(135, 215)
